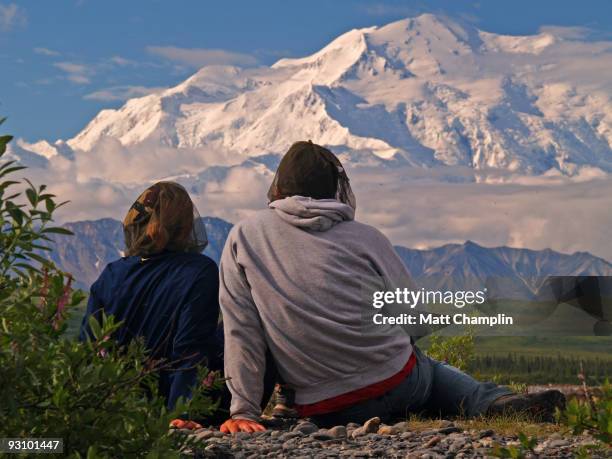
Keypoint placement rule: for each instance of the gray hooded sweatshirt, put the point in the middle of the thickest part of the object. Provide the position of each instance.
(292, 280)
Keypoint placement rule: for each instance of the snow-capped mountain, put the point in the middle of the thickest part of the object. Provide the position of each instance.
(423, 91)
(452, 266)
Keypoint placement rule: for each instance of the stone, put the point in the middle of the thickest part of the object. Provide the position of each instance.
(358, 432)
(338, 432)
(388, 430)
(322, 435)
(433, 441)
(372, 425)
(403, 426)
(306, 428)
(486, 433)
(456, 446)
(289, 435)
(242, 435)
(448, 430)
(558, 443)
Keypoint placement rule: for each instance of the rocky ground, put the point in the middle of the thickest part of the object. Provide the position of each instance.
(373, 439)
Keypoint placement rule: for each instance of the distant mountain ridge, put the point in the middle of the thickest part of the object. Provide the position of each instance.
(506, 271)
(99, 242)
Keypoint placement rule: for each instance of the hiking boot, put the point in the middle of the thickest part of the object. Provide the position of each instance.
(282, 411)
(539, 405)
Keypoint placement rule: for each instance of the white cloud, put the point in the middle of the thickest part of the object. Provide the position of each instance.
(120, 93)
(46, 52)
(413, 207)
(77, 73)
(565, 214)
(198, 57)
(576, 33)
(12, 16)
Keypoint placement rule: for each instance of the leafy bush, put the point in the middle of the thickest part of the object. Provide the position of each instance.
(526, 447)
(593, 415)
(457, 351)
(101, 400)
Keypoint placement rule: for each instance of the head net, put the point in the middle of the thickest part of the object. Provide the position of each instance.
(310, 170)
(163, 218)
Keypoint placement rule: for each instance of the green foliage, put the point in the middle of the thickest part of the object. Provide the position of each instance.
(101, 399)
(593, 415)
(526, 446)
(457, 351)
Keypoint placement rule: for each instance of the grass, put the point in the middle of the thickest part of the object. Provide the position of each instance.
(507, 425)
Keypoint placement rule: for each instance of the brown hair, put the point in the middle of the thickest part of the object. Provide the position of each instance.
(313, 171)
(163, 218)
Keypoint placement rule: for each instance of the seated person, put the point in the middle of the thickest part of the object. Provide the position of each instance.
(290, 282)
(164, 290)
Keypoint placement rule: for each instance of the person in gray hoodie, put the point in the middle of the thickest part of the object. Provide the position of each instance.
(294, 280)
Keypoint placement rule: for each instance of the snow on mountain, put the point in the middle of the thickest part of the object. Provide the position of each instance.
(423, 91)
(448, 132)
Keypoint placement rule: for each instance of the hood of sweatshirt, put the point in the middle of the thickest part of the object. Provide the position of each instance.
(312, 214)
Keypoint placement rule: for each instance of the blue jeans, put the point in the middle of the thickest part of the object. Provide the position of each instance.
(432, 387)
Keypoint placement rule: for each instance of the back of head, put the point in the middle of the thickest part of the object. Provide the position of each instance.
(313, 171)
(163, 218)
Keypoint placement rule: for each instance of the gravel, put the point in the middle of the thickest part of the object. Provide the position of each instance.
(373, 439)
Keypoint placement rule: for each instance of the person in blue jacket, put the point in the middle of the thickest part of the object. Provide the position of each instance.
(164, 289)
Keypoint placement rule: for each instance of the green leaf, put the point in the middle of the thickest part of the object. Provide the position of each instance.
(32, 196)
(94, 325)
(38, 258)
(10, 170)
(57, 230)
(3, 141)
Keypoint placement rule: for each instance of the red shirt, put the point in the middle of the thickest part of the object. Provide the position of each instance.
(343, 401)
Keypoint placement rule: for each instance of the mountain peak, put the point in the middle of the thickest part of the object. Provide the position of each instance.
(431, 90)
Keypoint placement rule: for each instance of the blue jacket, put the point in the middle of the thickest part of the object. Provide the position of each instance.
(171, 300)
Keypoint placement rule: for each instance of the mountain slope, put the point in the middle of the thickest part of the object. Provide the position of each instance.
(517, 273)
(426, 91)
(452, 266)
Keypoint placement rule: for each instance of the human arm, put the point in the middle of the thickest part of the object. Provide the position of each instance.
(244, 338)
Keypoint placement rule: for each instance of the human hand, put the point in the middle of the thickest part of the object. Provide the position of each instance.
(182, 424)
(241, 425)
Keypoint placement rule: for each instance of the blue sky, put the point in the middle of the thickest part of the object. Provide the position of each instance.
(63, 61)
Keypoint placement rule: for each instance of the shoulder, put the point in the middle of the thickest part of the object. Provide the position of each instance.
(365, 233)
(254, 223)
(118, 267)
(197, 263)
(113, 272)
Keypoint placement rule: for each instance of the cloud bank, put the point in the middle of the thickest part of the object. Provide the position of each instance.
(414, 207)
